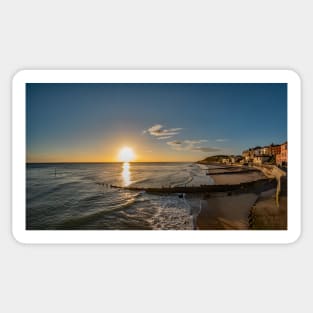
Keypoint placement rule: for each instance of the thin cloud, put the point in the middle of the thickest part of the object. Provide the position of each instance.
(194, 142)
(160, 132)
(191, 145)
(221, 139)
(176, 142)
(176, 145)
(206, 149)
(165, 137)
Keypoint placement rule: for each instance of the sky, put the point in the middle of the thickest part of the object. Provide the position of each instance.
(159, 122)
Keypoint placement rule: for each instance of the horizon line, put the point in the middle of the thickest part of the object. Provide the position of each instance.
(101, 162)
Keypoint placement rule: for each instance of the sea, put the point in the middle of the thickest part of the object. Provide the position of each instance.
(71, 196)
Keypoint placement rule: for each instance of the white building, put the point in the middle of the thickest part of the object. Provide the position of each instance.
(257, 151)
(225, 161)
(265, 151)
(261, 159)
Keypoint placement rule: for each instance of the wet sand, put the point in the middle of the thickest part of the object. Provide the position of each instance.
(253, 210)
(226, 212)
(227, 179)
(230, 175)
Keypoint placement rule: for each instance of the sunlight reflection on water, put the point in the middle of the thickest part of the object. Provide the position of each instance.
(126, 174)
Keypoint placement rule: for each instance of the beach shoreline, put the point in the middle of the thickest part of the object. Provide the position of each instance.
(231, 175)
(241, 197)
(253, 209)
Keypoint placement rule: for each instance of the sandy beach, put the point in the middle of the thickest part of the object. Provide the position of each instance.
(226, 212)
(243, 211)
(229, 175)
(267, 213)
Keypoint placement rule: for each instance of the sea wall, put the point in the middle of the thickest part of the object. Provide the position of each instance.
(272, 171)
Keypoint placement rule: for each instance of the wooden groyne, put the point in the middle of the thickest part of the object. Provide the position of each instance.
(253, 186)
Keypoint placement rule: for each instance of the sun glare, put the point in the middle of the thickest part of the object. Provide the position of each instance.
(126, 154)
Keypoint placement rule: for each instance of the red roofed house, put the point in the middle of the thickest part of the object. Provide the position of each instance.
(282, 158)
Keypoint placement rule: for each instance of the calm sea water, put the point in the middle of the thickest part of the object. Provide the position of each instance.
(78, 196)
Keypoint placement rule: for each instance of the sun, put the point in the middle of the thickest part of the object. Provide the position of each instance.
(126, 154)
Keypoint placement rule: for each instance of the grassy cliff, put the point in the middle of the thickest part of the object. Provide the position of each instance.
(213, 159)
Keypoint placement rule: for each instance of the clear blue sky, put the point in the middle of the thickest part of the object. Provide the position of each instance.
(91, 122)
